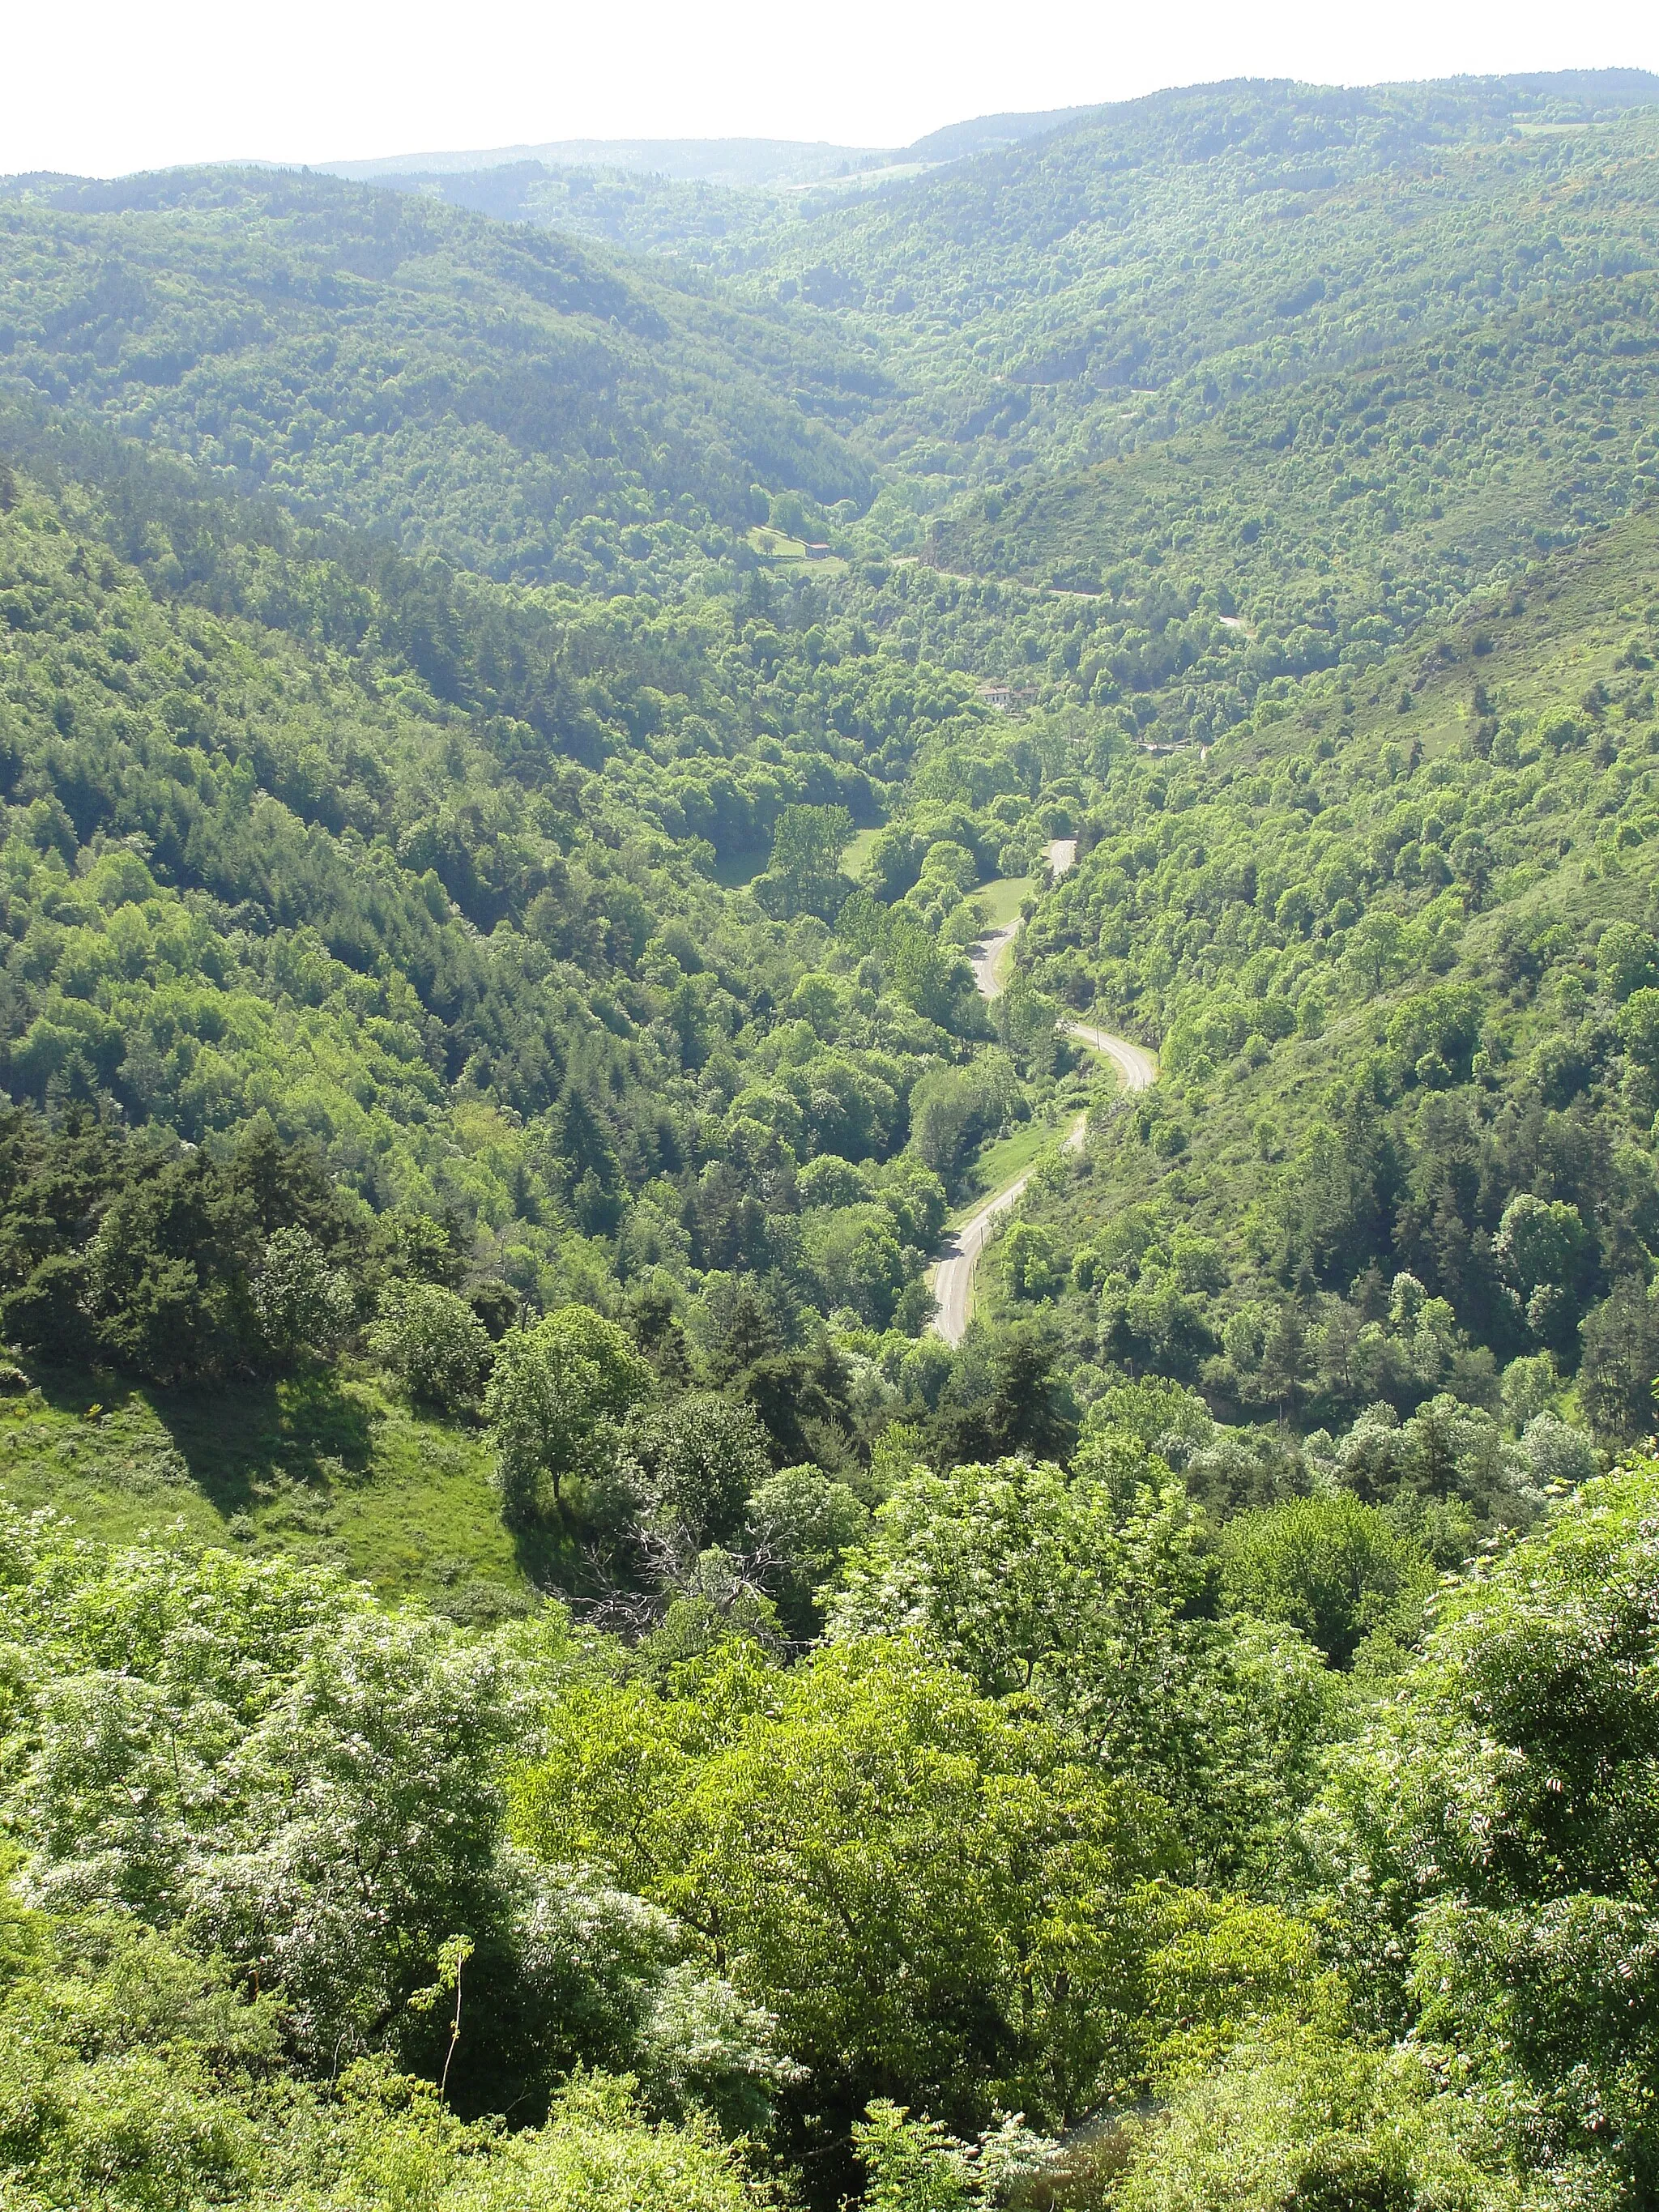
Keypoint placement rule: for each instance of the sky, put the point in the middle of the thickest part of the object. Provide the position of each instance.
(106, 86)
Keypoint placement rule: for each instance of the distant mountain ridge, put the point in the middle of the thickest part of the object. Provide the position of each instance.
(757, 164)
(989, 134)
(741, 164)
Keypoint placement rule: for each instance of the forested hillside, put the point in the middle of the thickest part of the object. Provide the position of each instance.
(1395, 947)
(501, 396)
(1132, 272)
(589, 778)
(1340, 355)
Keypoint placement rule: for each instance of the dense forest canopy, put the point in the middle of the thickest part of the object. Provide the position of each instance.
(601, 774)
(503, 396)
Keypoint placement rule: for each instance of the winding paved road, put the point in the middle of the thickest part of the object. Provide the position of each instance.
(1137, 1067)
(986, 958)
(953, 1275)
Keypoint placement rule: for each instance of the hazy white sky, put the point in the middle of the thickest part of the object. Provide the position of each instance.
(102, 86)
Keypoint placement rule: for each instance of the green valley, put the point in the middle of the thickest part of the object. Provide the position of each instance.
(830, 1170)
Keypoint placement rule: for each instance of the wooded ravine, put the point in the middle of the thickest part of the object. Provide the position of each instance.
(609, 781)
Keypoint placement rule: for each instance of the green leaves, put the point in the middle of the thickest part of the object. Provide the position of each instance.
(915, 2166)
(1087, 1597)
(692, 1467)
(556, 1393)
(1303, 2118)
(434, 1342)
(1330, 1566)
(920, 1886)
(805, 874)
(1495, 1829)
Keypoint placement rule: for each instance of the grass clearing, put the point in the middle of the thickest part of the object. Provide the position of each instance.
(1001, 899)
(733, 870)
(333, 1471)
(779, 552)
(853, 859)
(998, 1162)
